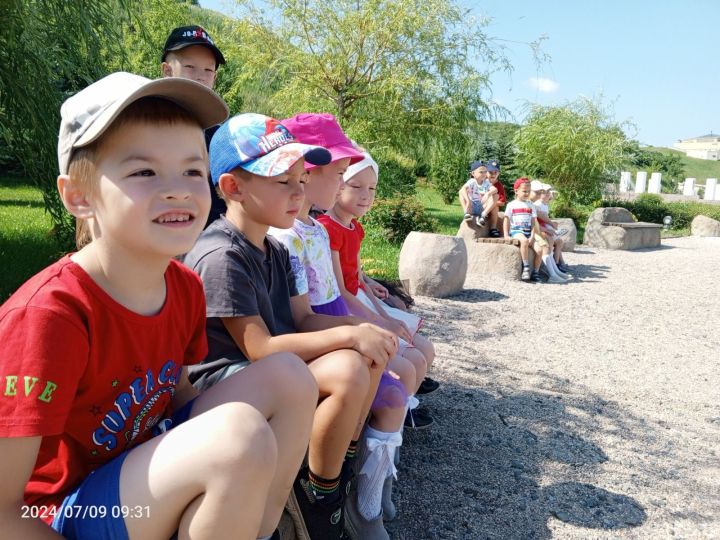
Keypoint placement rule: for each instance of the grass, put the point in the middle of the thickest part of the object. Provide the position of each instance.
(700, 169)
(26, 244)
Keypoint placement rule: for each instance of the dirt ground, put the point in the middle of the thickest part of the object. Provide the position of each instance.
(589, 409)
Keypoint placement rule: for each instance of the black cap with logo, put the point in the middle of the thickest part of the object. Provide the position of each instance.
(186, 36)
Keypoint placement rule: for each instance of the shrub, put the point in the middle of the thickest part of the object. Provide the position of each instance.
(652, 208)
(449, 170)
(397, 175)
(392, 219)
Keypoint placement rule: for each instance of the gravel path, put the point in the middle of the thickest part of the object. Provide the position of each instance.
(584, 410)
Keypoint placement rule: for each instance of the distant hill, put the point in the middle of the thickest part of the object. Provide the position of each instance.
(700, 169)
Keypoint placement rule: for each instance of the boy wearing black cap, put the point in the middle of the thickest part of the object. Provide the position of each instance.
(478, 196)
(190, 53)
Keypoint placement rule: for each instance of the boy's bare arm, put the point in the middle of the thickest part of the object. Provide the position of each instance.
(254, 339)
(506, 227)
(18, 459)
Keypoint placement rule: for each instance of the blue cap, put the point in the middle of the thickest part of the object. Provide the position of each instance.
(492, 165)
(475, 164)
(261, 145)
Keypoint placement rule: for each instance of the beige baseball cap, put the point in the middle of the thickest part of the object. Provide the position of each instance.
(85, 116)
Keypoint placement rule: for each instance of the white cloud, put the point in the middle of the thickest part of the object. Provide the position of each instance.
(543, 85)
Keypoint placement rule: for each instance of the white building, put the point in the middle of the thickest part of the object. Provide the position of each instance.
(705, 147)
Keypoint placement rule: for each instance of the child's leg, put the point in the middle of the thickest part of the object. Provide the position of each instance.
(494, 211)
(343, 380)
(524, 252)
(425, 346)
(416, 358)
(376, 372)
(488, 202)
(226, 471)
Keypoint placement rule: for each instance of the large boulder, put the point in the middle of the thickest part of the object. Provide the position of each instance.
(636, 236)
(433, 264)
(705, 226)
(570, 236)
(469, 230)
(498, 260)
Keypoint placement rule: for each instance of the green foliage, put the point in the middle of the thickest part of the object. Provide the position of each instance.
(390, 71)
(50, 50)
(496, 140)
(692, 167)
(397, 174)
(669, 164)
(394, 218)
(652, 208)
(449, 168)
(576, 147)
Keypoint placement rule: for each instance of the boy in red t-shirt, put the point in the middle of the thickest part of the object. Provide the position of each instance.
(101, 434)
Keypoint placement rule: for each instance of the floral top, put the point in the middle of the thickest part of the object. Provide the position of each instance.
(311, 260)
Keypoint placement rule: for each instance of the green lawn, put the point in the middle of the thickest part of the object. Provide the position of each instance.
(26, 245)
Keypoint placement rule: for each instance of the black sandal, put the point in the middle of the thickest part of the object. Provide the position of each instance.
(494, 233)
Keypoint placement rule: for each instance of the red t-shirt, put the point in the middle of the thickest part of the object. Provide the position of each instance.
(502, 198)
(346, 241)
(87, 374)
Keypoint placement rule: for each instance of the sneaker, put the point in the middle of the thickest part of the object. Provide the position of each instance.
(525, 273)
(389, 511)
(481, 221)
(467, 217)
(494, 233)
(359, 528)
(314, 520)
(563, 267)
(428, 386)
(418, 419)
(535, 276)
(555, 279)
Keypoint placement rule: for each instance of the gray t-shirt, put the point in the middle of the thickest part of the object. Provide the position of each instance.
(240, 281)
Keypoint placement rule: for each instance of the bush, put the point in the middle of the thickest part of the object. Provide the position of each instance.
(392, 219)
(397, 176)
(652, 208)
(449, 170)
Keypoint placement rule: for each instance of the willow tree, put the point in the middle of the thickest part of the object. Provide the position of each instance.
(576, 147)
(51, 49)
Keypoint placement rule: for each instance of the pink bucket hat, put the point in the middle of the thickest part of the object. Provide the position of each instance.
(322, 129)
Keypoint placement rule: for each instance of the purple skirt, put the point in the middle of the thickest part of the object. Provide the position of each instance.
(336, 308)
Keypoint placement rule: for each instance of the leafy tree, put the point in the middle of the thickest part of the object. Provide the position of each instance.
(400, 75)
(576, 147)
(51, 49)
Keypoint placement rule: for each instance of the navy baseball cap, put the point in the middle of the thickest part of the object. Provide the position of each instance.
(492, 165)
(186, 36)
(475, 164)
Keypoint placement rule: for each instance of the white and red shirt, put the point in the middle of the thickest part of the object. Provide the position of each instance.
(520, 214)
(88, 375)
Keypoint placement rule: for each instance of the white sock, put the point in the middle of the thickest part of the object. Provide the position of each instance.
(377, 451)
(550, 265)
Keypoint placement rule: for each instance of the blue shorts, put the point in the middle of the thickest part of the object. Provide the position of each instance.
(93, 510)
(477, 208)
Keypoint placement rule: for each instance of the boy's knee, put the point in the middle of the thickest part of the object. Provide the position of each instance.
(351, 373)
(291, 376)
(239, 439)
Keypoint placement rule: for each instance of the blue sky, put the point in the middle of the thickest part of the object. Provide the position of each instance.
(654, 62)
